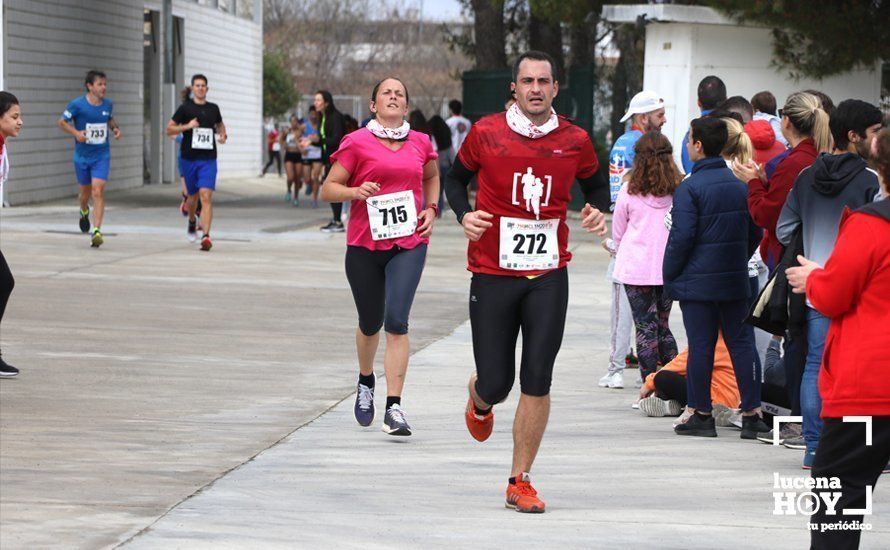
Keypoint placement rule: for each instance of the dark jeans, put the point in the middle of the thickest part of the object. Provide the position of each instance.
(670, 385)
(843, 454)
(651, 312)
(702, 321)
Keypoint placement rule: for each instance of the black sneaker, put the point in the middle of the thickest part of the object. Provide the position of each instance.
(698, 426)
(192, 232)
(84, 221)
(364, 405)
(394, 423)
(329, 227)
(753, 426)
(7, 371)
(337, 227)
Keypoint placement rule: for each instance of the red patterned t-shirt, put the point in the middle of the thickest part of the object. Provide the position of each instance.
(525, 184)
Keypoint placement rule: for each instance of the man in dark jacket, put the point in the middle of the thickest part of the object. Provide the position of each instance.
(706, 269)
(815, 204)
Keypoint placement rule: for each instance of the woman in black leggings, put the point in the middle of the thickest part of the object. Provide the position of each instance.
(390, 174)
(331, 130)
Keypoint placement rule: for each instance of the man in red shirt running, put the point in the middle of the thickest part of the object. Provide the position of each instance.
(526, 161)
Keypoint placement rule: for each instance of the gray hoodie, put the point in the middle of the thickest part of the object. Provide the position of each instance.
(818, 198)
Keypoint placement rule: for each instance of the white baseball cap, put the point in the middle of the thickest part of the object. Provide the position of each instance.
(643, 102)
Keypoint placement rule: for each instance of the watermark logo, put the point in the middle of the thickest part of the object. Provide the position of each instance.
(797, 495)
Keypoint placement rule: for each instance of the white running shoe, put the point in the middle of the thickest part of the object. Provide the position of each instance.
(615, 381)
(604, 381)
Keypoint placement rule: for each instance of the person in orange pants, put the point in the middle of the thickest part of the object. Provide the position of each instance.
(664, 392)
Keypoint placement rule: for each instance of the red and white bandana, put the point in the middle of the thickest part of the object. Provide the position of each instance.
(519, 123)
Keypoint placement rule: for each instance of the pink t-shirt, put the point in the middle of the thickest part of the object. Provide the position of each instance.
(367, 159)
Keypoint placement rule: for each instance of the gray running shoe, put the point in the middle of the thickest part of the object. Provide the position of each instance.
(797, 443)
(721, 414)
(656, 406)
(364, 404)
(395, 423)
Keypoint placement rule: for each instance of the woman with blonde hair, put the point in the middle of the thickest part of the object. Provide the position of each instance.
(739, 147)
(805, 126)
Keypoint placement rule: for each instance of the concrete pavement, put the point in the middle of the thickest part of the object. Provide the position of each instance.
(149, 369)
(173, 399)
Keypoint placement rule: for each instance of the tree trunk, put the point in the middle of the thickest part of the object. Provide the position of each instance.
(546, 36)
(488, 28)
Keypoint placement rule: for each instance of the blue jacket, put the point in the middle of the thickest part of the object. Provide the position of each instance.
(712, 236)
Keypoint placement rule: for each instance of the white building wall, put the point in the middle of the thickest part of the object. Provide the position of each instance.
(229, 51)
(679, 55)
(50, 45)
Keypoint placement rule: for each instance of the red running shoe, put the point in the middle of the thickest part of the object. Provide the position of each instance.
(522, 497)
(479, 426)
(205, 243)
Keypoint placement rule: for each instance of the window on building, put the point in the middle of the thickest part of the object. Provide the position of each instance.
(245, 9)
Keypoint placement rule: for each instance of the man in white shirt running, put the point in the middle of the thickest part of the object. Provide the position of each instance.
(458, 124)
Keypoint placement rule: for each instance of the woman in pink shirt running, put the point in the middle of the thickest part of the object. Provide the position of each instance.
(641, 236)
(390, 174)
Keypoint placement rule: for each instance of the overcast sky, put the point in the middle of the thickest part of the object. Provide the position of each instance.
(439, 10)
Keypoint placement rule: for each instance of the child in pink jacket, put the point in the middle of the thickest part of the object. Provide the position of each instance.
(641, 236)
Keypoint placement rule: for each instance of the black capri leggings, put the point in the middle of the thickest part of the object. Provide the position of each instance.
(501, 306)
(6, 284)
(383, 284)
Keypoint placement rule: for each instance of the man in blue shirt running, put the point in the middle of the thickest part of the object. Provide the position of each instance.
(89, 119)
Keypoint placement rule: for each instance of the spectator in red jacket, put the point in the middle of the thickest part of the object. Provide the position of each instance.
(764, 139)
(805, 126)
(854, 290)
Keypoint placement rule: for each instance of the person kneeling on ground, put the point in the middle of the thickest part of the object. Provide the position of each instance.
(664, 392)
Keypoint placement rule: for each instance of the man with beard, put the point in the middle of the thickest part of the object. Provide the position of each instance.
(518, 257)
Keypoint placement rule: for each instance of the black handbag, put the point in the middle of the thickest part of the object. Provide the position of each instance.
(776, 307)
